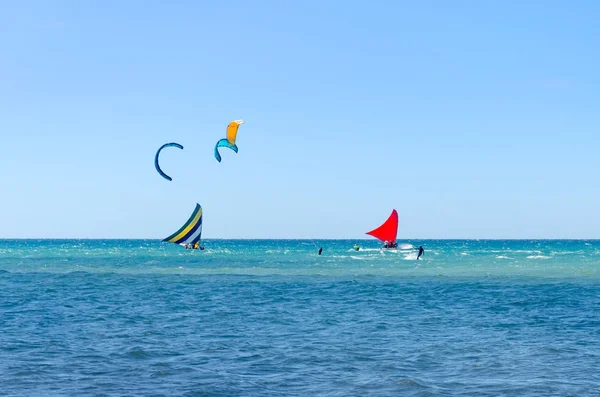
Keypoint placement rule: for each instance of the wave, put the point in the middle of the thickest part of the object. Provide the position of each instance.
(410, 257)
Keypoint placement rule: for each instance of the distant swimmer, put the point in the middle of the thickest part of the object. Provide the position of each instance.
(421, 252)
(320, 250)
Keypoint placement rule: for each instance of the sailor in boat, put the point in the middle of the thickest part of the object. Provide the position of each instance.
(194, 246)
(197, 246)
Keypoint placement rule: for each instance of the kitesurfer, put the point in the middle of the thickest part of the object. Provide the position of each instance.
(356, 247)
(421, 252)
(320, 250)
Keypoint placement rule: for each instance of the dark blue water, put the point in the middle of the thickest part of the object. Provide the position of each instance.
(272, 318)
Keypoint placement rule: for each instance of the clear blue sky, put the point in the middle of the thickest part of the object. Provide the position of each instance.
(474, 119)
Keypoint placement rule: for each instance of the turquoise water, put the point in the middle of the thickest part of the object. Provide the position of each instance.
(272, 318)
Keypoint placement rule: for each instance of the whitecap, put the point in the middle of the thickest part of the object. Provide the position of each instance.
(410, 257)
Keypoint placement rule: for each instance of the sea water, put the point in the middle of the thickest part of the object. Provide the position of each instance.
(273, 318)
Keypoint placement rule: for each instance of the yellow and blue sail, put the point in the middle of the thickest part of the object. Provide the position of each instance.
(191, 231)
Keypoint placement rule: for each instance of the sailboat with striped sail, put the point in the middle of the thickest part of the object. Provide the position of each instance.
(190, 233)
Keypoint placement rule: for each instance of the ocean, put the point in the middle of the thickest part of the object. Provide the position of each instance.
(273, 318)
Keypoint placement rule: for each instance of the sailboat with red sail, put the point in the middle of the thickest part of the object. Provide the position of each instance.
(388, 231)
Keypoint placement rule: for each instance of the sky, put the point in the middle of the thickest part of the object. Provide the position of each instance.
(474, 119)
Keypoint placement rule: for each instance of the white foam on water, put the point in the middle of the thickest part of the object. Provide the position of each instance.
(538, 257)
(411, 256)
(566, 252)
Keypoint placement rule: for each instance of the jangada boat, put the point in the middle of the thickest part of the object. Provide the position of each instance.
(388, 231)
(190, 233)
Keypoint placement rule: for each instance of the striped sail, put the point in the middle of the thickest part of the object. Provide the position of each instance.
(191, 231)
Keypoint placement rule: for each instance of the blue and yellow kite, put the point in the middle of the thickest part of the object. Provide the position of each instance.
(229, 142)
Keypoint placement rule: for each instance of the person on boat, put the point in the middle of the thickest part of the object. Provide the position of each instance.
(421, 252)
(187, 246)
(197, 246)
(387, 244)
(320, 250)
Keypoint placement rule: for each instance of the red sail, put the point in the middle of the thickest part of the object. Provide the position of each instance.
(388, 231)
